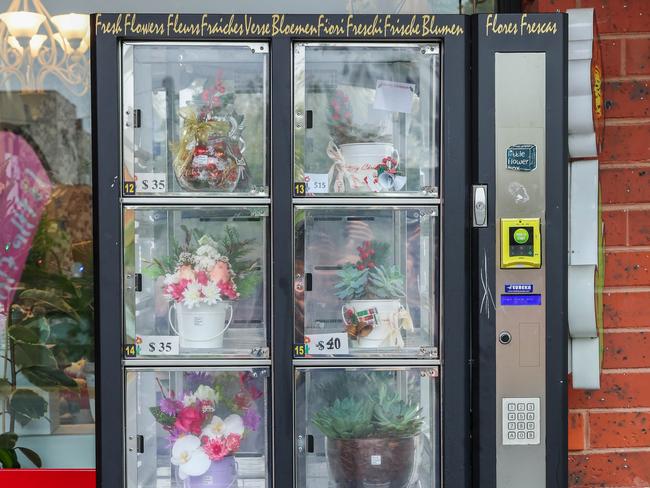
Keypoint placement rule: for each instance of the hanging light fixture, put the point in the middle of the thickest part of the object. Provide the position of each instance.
(35, 45)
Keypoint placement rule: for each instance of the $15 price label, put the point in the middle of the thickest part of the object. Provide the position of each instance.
(157, 345)
(326, 344)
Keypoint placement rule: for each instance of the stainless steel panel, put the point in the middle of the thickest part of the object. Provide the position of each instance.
(520, 113)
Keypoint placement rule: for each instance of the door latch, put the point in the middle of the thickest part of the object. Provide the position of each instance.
(479, 205)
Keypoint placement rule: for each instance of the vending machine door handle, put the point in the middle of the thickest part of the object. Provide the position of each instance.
(308, 281)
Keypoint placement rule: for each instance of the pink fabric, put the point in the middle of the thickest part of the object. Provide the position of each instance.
(25, 190)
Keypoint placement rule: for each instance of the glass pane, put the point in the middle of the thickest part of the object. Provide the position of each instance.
(366, 119)
(370, 272)
(195, 118)
(197, 428)
(359, 428)
(196, 274)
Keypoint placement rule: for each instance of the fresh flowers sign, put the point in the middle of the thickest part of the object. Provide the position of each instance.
(209, 421)
(203, 276)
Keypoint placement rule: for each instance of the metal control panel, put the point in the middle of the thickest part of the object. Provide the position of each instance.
(520, 132)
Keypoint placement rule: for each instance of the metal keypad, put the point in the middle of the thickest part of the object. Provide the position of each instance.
(521, 421)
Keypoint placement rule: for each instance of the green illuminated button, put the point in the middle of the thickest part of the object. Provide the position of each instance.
(521, 236)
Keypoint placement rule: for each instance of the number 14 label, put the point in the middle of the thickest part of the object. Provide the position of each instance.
(157, 345)
(326, 344)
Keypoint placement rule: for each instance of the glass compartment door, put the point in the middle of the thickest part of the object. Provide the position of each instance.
(367, 275)
(199, 427)
(367, 427)
(366, 119)
(196, 278)
(195, 118)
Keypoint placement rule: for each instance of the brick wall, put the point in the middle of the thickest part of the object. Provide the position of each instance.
(609, 429)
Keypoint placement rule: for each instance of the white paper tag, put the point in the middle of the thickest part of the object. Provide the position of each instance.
(316, 182)
(375, 460)
(150, 182)
(394, 96)
(157, 345)
(326, 344)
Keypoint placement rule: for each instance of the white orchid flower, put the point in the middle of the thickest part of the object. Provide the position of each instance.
(216, 428)
(204, 392)
(234, 425)
(190, 458)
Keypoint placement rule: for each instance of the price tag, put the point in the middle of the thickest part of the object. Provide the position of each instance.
(326, 344)
(316, 182)
(157, 345)
(150, 182)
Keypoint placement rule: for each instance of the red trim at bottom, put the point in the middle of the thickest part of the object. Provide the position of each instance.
(50, 478)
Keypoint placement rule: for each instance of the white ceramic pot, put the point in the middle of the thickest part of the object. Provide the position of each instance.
(387, 317)
(367, 153)
(202, 326)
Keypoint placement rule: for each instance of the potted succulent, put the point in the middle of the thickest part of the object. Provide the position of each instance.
(207, 425)
(202, 280)
(371, 291)
(364, 158)
(370, 438)
(209, 155)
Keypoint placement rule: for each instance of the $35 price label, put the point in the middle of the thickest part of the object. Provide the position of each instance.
(327, 344)
(157, 345)
(150, 182)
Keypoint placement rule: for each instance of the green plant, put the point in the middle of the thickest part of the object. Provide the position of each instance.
(369, 277)
(9, 452)
(366, 406)
(349, 418)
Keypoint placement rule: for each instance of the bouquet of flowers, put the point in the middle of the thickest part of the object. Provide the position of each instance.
(208, 422)
(209, 153)
(204, 270)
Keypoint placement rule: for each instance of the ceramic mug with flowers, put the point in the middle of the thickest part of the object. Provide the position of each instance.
(207, 425)
(201, 290)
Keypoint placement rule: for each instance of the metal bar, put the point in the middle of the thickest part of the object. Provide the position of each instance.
(365, 362)
(196, 201)
(369, 201)
(196, 363)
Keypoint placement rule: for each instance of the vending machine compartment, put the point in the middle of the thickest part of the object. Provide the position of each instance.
(367, 276)
(195, 118)
(367, 427)
(196, 278)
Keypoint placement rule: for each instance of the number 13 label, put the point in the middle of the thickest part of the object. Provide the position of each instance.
(157, 345)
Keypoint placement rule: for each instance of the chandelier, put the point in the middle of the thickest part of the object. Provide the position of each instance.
(35, 45)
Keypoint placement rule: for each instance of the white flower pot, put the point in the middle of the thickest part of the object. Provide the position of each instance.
(384, 333)
(360, 161)
(367, 154)
(202, 326)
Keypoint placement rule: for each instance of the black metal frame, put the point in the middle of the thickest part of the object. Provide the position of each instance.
(456, 233)
(555, 247)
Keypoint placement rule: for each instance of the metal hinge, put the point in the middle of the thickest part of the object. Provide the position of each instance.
(133, 117)
(430, 351)
(260, 352)
(430, 373)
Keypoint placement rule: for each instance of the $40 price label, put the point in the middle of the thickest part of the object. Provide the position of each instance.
(327, 344)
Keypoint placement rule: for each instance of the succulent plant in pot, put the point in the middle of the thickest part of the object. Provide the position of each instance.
(371, 291)
(371, 438)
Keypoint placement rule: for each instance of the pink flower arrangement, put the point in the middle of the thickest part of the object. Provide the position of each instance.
(201, 277)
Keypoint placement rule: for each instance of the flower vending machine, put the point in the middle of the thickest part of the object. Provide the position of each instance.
(288, 213)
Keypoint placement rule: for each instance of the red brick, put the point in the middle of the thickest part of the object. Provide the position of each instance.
(628, 309)
(627, 350)
(617, 390)
(547, 5)
(627, 99)
(620, 429)
(609, 469)
(615, 227)
(576, 431)
(639, 227)
(627, 269)
(625, 143)
(637, 56)
(620, 15)
(611, 56)
(625, 185)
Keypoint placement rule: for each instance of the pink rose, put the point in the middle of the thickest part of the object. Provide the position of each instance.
(220, 272)
(232, 442)
(186, 272)
(190, 420)
(202, 277)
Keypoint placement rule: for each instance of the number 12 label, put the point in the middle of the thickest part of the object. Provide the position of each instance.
(327, 344)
